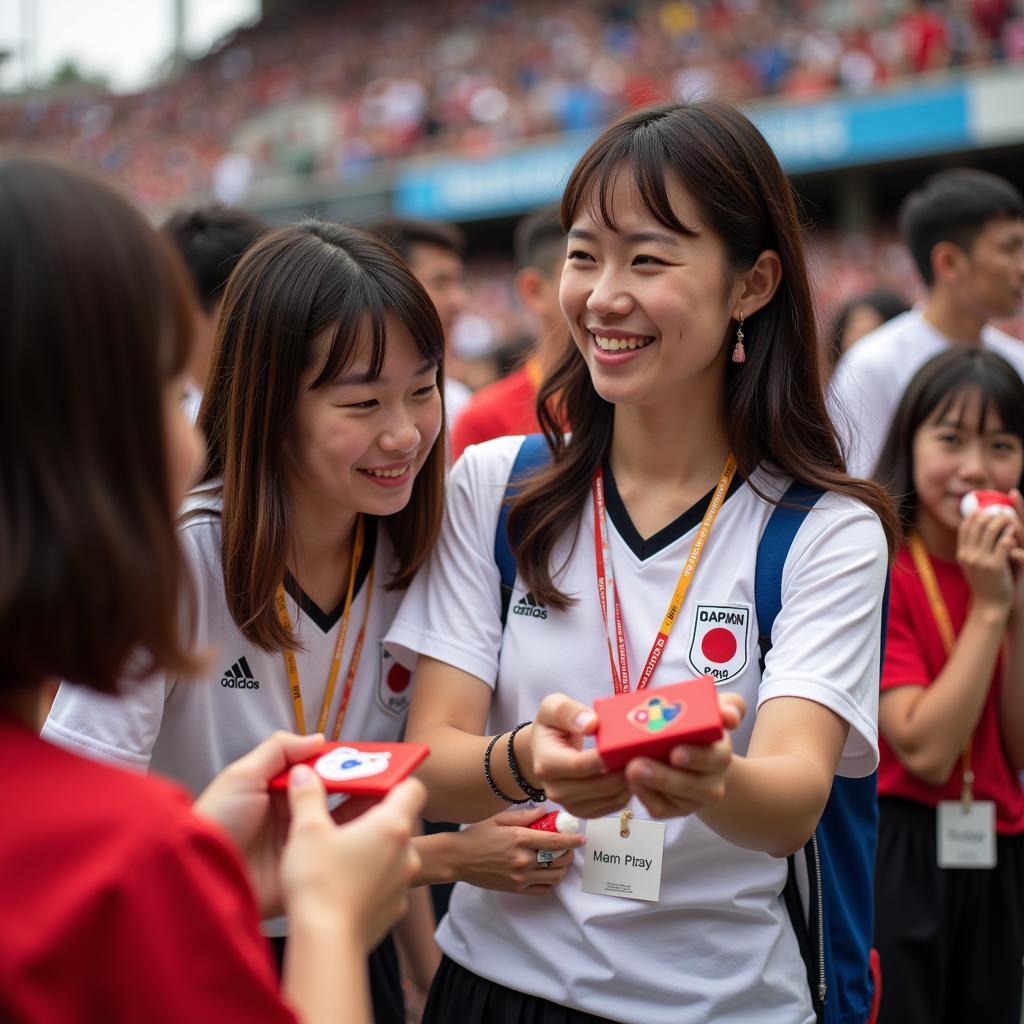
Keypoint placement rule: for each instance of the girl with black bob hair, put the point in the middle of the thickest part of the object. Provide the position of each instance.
(694, 391)
(120, 902)
(951, 712)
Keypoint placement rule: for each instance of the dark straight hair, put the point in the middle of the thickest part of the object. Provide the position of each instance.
(938, 392)
(774, 404)
(291, 288)
(97, 322)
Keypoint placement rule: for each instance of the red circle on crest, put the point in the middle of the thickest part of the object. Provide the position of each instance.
(718, 645)
(398, 678)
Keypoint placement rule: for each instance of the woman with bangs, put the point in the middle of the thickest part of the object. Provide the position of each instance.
(949, 923)
(121, 900)
(693, 388)
(322, 495)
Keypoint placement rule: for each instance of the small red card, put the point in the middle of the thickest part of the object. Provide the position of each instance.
(650, 723)
(361, 769)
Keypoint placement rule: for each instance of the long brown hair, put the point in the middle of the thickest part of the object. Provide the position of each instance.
(774, 405)
(97, 320)
(290, 287)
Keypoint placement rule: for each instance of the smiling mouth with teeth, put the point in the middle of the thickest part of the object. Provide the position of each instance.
(620, 344)
(390, 473)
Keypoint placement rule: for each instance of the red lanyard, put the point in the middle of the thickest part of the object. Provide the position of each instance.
(606, 591)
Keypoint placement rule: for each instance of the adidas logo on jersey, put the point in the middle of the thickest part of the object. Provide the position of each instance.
(529, 605)
(239, 677)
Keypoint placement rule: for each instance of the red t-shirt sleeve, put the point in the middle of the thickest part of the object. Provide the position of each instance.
(905, 663)
(474, 425)
(184, 937)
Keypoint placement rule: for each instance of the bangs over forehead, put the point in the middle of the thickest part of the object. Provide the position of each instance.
(363, 310)
(640, 157)
(959, 390)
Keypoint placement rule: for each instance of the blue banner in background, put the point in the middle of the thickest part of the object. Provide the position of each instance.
(888, 125)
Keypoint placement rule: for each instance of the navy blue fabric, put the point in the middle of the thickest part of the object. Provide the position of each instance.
(533, 453)
(848, 828)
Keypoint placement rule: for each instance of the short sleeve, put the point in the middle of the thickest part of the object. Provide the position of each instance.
(123, 728)
(826, 642)
(186, 921)
(905, 663)
(452, 611)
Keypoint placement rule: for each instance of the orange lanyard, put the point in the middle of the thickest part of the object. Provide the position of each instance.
(332, 677)
(534, 374)
(607, 593)
(940, 613)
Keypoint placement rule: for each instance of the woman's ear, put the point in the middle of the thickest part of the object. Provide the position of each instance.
(759, 284)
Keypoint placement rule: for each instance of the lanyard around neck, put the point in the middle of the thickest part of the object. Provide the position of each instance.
(332, 676)
(607, 593)
(944, 624)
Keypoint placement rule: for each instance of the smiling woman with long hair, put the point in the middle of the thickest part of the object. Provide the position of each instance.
(694, 394)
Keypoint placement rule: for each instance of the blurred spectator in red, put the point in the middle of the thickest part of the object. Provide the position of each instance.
(509, 405)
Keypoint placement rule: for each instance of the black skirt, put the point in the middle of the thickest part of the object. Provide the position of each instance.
(461, 996)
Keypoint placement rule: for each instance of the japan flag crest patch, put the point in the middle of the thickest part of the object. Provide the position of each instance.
(719, 645)
(393, 685)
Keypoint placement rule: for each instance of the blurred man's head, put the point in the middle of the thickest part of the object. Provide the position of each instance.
(433, 250)
(211, 239)
(965, 230)
(540, 256)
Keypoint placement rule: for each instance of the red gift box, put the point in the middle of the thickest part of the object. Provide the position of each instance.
(361, 769)
(650, 723)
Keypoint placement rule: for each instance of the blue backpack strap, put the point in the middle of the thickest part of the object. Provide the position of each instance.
(533, 453)
(836, 940)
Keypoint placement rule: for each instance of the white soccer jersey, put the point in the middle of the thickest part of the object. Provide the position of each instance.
(718, 946)
(189, 729)
(870, 380)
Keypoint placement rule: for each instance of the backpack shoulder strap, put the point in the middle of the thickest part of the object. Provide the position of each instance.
(772, 551)
(532, 455)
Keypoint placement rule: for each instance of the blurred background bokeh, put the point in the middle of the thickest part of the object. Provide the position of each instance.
(472, 111)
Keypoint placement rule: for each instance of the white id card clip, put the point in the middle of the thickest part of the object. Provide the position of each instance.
(624, 862)
(966, 835)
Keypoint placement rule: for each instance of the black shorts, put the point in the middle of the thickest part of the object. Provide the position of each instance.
(385, 980)
(951, 941)
(461, 996)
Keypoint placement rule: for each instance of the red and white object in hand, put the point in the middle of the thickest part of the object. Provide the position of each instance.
(556, 821)
(990, 502)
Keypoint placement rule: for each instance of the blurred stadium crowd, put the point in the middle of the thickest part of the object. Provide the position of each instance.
(329, 93)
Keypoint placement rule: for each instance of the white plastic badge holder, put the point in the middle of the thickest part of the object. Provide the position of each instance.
(966, 834)
(625, 866)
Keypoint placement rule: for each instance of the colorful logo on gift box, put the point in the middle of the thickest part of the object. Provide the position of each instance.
(344, 763)
(655, 714)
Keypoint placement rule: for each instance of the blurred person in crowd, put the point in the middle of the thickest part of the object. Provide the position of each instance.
(965, 230)
(434, 252)
(211, 240)
(858, 317)
(509, 405)
(120, 902)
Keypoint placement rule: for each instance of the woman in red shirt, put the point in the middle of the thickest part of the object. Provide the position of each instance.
(949, 891)
(118, 902)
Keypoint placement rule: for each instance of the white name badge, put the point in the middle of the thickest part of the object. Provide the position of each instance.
(967, 838)
(630, 867)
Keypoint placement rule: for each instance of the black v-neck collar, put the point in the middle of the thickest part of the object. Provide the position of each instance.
(645, 548)
(326, 621)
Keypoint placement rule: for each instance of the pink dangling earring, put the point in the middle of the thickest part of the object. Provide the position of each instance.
(739, 353)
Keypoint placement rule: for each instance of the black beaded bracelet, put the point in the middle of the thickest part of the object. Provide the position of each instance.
(490, 778)
(537, 796)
